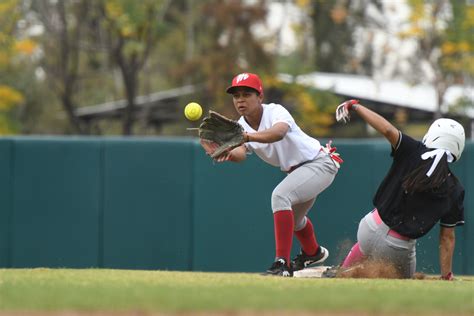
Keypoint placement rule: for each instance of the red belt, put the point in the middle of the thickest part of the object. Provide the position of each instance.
(391, 232)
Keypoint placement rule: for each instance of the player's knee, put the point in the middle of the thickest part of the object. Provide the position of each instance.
(280, 202)
(299, 224)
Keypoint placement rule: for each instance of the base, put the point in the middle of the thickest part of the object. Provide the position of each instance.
(311, 272)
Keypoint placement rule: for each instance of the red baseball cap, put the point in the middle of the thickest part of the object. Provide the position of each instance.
(246, 79)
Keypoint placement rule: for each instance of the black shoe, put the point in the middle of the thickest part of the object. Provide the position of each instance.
(303, 260)
(279, 268)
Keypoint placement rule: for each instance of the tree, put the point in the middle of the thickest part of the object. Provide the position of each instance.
(64, 24)
(457, 60)
(313, 109)
(11, 51)
(332, 35)
(344, 33)
(225, 45)
(442, 31)
(132, 30)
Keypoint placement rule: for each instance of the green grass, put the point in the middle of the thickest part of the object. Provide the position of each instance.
(164, 291)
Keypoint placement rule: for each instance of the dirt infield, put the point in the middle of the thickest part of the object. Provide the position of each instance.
(376, 269)
(371, 269)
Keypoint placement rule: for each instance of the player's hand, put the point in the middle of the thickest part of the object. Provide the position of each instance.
(226, 156)
(343, 110)
(447, 277)
(211, 147)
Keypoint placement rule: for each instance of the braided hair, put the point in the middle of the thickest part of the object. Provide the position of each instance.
(417, 180)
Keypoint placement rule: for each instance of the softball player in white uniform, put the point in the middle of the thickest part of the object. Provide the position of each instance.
(272, 134)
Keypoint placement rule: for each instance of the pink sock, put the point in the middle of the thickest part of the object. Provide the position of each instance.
(354, 256)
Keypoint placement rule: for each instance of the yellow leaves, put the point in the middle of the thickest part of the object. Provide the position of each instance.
(116, 13)
(418, 12)
(464, 47)
(452, 65)
(312, 119)
(468, 22)
(130, 19)
(306, 102)
(451, 48)
(7, 6)
(448, 48)
(309, 106)
(459, 64)
(9, 98)
(302, 3)
(5, 126)
(4, 59)
(271, 81)
(12, 48)
(26, 46)
(127, 31)
(413, 32)
(113, 9)
(3, 38)
(9, 14)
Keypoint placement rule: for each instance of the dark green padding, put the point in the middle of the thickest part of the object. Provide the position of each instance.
(161, 203)
(147, 204)
(56, 192)
(5, 201)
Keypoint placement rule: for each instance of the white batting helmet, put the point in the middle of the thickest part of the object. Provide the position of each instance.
(446, 134)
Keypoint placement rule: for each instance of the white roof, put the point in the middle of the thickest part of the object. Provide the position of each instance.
(421, 97)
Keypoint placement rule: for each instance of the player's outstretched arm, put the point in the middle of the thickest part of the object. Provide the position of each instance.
(237, 154)
(273, 134)
(374, 119)
(446, 250)
(378, 122)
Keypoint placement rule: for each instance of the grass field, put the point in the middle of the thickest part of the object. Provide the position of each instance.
(51, 291)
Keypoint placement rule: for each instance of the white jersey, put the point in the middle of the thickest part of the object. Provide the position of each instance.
(296, 147)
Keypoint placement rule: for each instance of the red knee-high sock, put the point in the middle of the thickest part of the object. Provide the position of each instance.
(283, 224)
(307, 238)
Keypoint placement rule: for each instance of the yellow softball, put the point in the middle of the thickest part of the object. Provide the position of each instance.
(193, 111)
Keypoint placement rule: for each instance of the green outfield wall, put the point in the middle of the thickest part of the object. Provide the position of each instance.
(160, 203)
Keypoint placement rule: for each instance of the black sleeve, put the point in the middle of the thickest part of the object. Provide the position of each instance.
(406, 145)
(455, 217)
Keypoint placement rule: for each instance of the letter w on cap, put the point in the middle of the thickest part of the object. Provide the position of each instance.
(241, 77)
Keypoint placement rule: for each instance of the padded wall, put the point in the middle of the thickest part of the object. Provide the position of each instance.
(55, 203)
(5, 201)
(147, 204)
(161, 203)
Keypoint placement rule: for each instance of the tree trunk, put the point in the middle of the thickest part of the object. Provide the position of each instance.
(68, 105)
(131, 82)
(440, 87)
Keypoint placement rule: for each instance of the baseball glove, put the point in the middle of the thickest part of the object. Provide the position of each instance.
(220, 134)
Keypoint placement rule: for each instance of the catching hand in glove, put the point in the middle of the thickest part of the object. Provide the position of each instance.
(219, 135)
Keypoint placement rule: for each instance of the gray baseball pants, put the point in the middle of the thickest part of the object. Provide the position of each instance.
(300, 188)
(376, 242)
